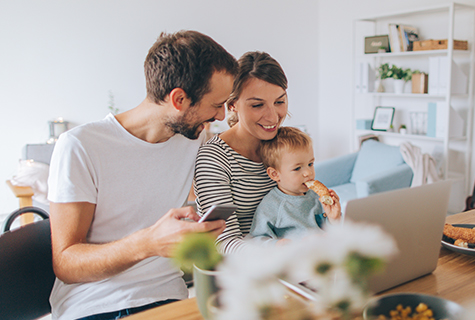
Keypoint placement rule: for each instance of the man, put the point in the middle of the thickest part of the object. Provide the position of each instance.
(115, 184)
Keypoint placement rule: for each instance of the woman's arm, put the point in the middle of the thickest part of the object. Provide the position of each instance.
(213, 186)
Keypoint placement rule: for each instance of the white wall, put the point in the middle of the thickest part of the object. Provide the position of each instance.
(61, 58)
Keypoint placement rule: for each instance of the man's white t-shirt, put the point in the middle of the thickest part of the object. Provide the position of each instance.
(133, 183)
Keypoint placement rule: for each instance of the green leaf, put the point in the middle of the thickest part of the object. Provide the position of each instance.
(198, 249)
(394, 72)
(361, 267)
(323, 268)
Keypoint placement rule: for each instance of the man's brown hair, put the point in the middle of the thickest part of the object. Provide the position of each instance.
(187, 60)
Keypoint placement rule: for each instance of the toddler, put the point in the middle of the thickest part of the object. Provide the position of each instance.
(290, 209)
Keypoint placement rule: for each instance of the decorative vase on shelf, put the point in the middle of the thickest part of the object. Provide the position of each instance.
(388, 85)
(402, 129)
(379, 85)
(399, 86)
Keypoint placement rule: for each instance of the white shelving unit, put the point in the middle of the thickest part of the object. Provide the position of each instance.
(450, 21)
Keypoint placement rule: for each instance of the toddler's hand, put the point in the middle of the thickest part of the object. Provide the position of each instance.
(333, 211)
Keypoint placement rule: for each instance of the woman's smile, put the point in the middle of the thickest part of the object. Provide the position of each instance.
(269, 128)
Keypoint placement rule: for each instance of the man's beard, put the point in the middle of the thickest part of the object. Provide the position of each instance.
(183, 126)
(185, 129)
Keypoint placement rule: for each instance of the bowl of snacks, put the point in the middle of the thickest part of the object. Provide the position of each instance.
(412, 306)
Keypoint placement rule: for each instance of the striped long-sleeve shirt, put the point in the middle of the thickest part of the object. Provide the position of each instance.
(223, 176)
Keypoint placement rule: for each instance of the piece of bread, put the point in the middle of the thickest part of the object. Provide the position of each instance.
(458, 233)
(320, 189)
(461, 243)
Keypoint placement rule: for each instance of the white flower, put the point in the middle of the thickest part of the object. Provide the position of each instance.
(366, 239)
(313, 255)
(343, 290)
(249, 279)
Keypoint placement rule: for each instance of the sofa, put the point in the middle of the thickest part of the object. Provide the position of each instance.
(376, 167)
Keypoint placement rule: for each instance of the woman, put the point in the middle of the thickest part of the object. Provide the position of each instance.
(229, 169)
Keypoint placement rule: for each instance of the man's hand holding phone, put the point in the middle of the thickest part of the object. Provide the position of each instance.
(218, 212)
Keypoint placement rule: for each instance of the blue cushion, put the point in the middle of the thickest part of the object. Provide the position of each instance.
(346, 191)
(335, 171)
(375, 157)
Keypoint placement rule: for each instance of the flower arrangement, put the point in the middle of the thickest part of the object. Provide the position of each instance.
(336, 264)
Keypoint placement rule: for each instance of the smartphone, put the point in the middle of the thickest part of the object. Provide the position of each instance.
(217, 212)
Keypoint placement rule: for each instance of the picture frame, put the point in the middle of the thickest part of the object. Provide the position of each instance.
(375, 43)
(383, 118)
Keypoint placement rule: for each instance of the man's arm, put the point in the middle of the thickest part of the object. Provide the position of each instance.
(75, 260)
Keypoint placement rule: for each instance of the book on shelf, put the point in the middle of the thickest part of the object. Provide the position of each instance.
(365, 77)
(394, 42)
(439, 77)
(401, 37)
(407, 35)
(437, 113)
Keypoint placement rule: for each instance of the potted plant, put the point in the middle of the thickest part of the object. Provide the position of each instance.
(383, 71)
(402, 129)
(381, 74)
(197, 254)
(398, 75)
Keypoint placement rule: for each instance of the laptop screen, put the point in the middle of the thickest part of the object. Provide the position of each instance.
(415, 217)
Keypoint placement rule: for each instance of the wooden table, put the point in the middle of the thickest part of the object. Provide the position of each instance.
(453, 279)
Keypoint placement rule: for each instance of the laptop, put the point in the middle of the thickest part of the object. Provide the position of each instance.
(415, 217)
